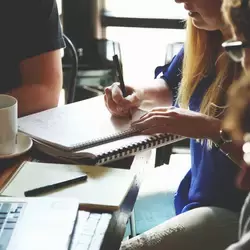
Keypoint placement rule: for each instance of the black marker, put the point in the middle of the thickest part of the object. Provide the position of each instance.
(119, 74)
(52, 187)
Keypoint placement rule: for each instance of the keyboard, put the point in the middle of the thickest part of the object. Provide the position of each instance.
(9, 214)
(89, 230)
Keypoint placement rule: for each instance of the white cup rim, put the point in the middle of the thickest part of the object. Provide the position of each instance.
(9, 97)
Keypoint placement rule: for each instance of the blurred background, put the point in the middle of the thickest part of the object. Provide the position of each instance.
(144, 34)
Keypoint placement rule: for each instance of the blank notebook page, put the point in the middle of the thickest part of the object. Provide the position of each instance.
(75, 123)
(105, 187)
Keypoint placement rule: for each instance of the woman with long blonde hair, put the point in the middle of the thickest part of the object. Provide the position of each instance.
(207, 202)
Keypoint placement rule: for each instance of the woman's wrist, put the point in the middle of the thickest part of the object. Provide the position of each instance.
(220, 136)
(214, 130)
(222, 140)
(140, 93)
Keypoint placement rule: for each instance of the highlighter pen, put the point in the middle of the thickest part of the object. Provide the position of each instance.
(52, 187)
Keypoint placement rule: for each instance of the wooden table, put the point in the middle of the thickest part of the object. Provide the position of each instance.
(117, 226)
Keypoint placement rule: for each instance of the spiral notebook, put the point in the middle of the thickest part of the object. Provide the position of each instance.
(86, 130)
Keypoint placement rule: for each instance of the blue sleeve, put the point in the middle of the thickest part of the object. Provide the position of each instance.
(171, 73)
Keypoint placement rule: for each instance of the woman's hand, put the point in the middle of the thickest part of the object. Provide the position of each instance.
(178, 121)
(119, 105)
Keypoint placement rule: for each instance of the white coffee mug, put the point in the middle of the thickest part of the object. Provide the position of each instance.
(8, 124)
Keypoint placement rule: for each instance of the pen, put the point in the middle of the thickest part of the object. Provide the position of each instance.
(119, 74)
(48, 188)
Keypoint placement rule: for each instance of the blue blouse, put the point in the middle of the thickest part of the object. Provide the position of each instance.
(211, 179)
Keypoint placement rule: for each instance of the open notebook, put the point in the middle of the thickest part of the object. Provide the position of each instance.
(86, 130)
(105, 188)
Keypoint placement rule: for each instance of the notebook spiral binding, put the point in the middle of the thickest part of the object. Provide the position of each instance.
(102, 140)
(153, 142)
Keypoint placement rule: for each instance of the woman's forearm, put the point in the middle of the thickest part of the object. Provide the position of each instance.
(156, 93)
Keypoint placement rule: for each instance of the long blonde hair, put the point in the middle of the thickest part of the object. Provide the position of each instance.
(202, 55)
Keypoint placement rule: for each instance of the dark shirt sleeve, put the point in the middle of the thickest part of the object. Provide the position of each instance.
(171, 73)
(40, 27)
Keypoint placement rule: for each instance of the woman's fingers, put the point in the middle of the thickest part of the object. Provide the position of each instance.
(118, 97)
(116, 93)
(151, 115)
(153, 121)
(154, 125)
(111, 105)
(116, 103)
(133, 100)
(114, 109)
(126, 102)
(159, 110)
(156, 130)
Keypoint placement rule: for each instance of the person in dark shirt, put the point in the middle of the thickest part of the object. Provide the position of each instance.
(237, 119)
(30, 58)
(207, 202)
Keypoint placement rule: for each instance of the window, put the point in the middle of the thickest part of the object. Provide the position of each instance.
(143, 49)
(146, 8)
(59, 5)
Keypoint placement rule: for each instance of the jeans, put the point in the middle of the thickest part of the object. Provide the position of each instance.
(204, 228)
(244, 228)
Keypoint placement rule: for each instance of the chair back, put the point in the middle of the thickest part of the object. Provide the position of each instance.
(171, 50)
(71, 84)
